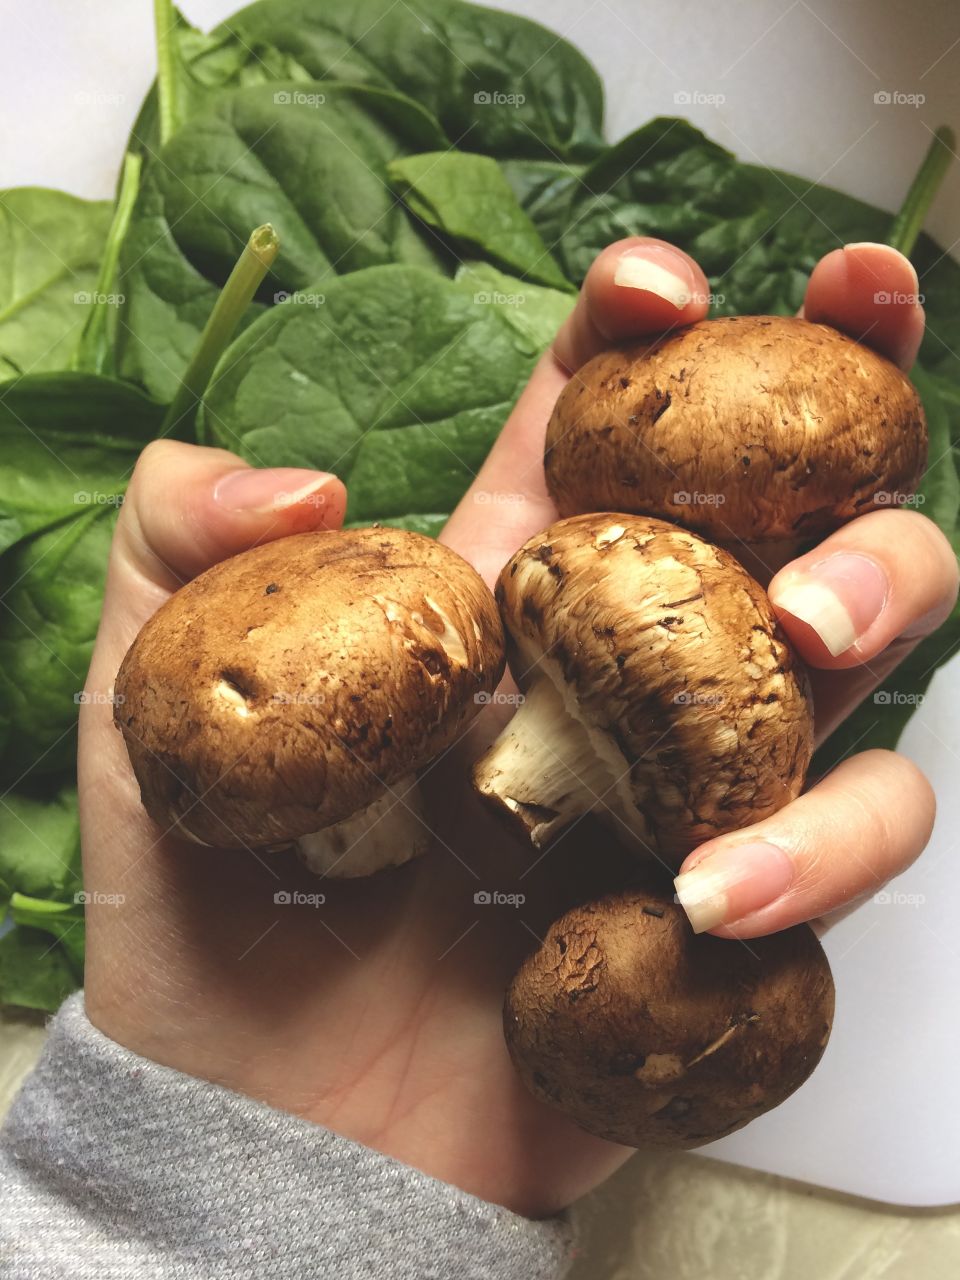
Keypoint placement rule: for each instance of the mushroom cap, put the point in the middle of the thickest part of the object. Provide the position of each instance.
(645, 1033)
(743, 428)
(280, 691)
(668, 645)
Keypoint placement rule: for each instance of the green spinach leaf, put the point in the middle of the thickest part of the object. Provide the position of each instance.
(399, 382)
(35, 972)
(49, 612)
(497, 83)
(40, 844)
(67, 442)
(468, 200)
(311, 160)
(52, 246)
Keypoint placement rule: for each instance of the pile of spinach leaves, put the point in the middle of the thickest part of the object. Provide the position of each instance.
(439, 181)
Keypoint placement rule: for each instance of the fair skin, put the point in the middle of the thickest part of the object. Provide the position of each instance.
(378, 1014)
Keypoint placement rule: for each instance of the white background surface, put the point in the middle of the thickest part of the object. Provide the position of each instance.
(880, 1117)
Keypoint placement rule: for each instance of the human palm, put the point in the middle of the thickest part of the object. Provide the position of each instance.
(378, 1011)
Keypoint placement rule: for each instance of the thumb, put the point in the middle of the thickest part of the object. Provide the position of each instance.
(189, 507)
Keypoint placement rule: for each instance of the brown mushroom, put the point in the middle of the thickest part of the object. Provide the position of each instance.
(289, 694)
(647, 1034)
(748, 430)
(658, 688)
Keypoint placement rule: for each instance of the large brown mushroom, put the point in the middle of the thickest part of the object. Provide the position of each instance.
(751, 430)
(659, 690)
(647, 1034)
(289, 694)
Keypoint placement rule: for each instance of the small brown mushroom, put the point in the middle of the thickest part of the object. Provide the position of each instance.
(289, 694)
(659, 690)
(750, 430)
(647, 1034)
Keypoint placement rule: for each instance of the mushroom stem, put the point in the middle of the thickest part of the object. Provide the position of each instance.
(364, 842)
(544, 769)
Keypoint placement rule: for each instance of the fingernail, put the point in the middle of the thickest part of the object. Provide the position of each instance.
(840, 598)
(885, 252)
(655, 269)
(732, 883)
(262, 490)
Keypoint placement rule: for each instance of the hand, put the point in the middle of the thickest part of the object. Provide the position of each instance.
(378, 1013)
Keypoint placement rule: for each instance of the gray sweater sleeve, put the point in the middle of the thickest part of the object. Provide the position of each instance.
(116, 1168)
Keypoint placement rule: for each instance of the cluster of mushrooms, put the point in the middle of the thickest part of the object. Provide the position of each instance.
(659, 695)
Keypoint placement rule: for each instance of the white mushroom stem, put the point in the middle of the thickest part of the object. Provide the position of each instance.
(387, 833)
(547, 768)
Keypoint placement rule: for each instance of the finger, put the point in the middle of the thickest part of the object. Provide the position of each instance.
(856, 605)
(865, 822)
(872, 293)
(189, 507)
(634, 288)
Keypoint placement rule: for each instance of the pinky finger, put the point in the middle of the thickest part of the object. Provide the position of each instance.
(862, 824)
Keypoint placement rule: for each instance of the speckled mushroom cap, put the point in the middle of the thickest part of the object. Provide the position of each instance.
(645, 1033)
(276, 693)
(663, 642)
(751, 428)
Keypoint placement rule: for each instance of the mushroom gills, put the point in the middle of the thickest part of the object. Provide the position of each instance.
(387, 833)
(548, 768)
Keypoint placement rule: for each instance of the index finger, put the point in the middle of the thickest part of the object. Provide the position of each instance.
(635, 288)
